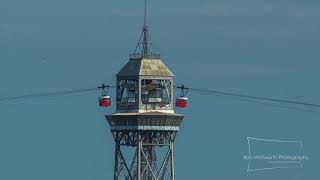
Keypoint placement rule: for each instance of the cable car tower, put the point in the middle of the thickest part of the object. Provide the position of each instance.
(144, 121)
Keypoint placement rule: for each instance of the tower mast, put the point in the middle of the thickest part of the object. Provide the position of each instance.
(145, 32)
(144, 43)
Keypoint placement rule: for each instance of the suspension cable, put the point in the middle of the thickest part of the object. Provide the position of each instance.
(51, 94)
(245, 96)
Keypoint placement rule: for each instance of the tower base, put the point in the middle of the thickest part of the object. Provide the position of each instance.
(149, 135)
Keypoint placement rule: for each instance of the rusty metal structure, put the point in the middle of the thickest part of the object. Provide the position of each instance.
(144, 122)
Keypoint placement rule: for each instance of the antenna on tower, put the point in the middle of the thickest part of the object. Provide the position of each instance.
(143, 44)
(145, 32)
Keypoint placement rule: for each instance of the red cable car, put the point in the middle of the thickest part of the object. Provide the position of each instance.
(182, 102)
(105, 101)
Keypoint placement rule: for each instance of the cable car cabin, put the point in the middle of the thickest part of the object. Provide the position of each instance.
(182, 102)
(105, 101)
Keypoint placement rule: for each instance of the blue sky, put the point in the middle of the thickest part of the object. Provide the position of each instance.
(258, 47)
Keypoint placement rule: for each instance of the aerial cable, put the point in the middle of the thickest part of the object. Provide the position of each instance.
(47, 98)
(245, 96)
(51, 94)
(259, 102)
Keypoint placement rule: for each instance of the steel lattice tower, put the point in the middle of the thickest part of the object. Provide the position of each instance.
(144, 120)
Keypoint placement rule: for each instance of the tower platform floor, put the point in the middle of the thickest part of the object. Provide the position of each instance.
(156, 121)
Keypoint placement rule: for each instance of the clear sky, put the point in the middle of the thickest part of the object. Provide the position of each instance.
(258, 47)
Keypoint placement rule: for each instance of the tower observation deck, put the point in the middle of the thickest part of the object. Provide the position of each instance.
(144, 122)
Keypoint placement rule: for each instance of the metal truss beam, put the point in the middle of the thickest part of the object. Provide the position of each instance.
(144, 162)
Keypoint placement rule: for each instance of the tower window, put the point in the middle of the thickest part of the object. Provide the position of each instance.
(155, 91)
(127, 91)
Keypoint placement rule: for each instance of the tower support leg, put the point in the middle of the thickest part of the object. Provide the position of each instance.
(116, 161)
(172, 161)
(139, 148)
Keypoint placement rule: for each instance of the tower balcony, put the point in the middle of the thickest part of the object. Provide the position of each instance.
(149, 121)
